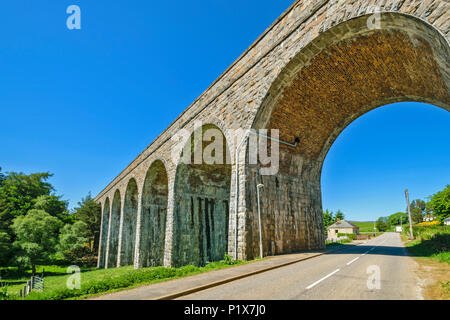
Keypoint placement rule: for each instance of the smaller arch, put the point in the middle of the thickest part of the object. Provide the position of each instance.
(114, 224)
(153, 218)
(104, 233)
(129, 220)
(202, 195)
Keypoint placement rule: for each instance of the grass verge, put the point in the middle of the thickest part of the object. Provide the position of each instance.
(429, 242)
(430, 248)
(102, 281)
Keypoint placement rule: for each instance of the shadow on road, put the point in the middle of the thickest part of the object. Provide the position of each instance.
(366, 248)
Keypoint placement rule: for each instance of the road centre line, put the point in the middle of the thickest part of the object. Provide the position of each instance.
(318, 281)
(349, 263)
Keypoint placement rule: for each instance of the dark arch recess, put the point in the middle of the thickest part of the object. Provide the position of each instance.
(201, 208)
(154, 213)
(130, 209)
(104, 233)
(114, 231)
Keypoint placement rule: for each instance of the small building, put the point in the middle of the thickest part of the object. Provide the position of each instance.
(429, 218)
(341, 226)
(398, 229)
(447, 221)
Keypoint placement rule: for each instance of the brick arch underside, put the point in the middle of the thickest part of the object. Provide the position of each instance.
(337, 85)
(201, 210)
(349, 79)
(154, 213)
(128, 236)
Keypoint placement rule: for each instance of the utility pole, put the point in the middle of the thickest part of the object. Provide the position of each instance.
(259, 221)
(411, 235)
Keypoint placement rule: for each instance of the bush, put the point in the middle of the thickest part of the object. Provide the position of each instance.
(228, 260)
(429, 224)
(4, 293)
(431, 241)
(351, 236)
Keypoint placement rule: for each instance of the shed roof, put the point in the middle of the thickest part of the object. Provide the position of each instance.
(342, 224)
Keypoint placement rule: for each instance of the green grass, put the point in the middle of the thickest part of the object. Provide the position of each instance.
(101, 281)
(430, 242)
(330, 244)
(446, 288)
(364, 226)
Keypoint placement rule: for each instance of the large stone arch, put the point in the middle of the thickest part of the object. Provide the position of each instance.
(201, 204)
(104, 233)
(153, 216)
(113, 233)
(129, 221)
(341, 74)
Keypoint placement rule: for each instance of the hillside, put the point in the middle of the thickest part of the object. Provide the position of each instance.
(364, 226)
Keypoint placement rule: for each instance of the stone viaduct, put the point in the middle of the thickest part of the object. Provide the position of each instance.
(318, 67)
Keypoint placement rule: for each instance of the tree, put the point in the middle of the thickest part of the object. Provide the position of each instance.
(416, 215)
(36, 237)
(89, 212)
(328, 219)
(5, 248)
(2, 176)
(17, 193)
(418, 203)
(73, 239)
(340, 215)
(398, 218)
(54, 206)
(381, 224)
(417, 207)
(439, 204)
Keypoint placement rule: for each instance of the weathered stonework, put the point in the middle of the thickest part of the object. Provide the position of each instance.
(312, 72)
(202, 191)
(153, 217)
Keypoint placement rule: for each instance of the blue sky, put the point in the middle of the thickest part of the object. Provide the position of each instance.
(83, 104)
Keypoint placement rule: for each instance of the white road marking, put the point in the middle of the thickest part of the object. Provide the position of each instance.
(318, 281)
(349, 263)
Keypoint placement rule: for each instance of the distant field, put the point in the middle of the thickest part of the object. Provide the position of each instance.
(366, 226)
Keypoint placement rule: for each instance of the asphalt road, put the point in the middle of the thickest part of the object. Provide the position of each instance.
(378, 269)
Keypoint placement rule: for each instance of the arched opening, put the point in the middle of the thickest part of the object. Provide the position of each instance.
(104, 233)
(202, 195)
(129, 220)
(381, 153)
(342, 74)
(114, 225)
(154, 212)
